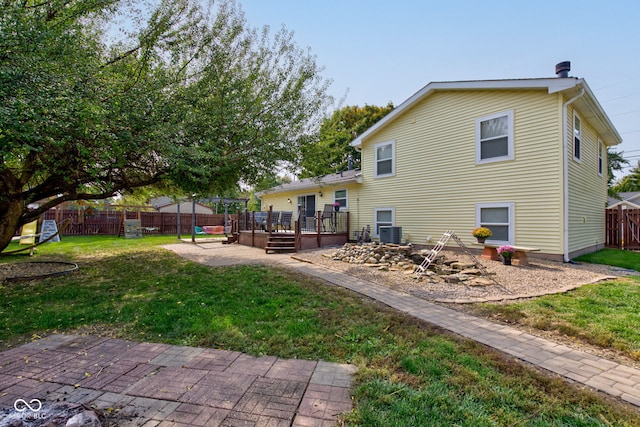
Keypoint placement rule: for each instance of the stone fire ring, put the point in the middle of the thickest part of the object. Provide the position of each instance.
(34, 270)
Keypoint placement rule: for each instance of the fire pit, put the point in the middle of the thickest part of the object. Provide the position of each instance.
(24, 271)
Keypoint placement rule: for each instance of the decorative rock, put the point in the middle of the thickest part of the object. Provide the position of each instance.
(389, 257)
(456, 278)
(480, 281)
(84, 419)
(461, 265)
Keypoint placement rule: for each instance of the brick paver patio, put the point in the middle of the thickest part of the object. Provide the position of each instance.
(162, 385)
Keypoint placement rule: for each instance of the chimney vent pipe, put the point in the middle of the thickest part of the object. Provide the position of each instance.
(562, 69)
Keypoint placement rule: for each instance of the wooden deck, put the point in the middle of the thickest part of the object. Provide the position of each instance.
(306, 240)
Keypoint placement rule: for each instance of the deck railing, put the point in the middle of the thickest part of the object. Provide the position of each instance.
(322, 227)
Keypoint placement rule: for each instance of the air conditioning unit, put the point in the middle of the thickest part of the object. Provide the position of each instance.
(390, 235)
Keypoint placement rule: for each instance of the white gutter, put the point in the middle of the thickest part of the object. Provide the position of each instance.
(566, 172)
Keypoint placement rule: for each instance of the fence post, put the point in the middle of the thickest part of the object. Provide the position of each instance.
(621, 228)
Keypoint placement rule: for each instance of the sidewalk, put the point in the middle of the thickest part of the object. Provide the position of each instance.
(601, 374)
(144, 384)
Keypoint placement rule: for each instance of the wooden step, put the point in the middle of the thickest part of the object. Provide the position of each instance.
(280, 249)
(281, 243)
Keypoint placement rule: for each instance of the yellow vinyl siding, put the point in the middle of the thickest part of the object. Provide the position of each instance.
(280, 203)
(437, 183)
(587, 189)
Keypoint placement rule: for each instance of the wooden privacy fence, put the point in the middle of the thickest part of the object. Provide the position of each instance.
(622, 228)
(109, 222)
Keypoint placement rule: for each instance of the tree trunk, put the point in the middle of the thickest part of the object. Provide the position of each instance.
(10, 213)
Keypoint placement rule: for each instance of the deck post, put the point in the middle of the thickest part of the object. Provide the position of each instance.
(298, 229)
(318, 228)
(253, 228)
(348, 228)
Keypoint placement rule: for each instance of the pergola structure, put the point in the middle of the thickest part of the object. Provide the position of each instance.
(226, 201)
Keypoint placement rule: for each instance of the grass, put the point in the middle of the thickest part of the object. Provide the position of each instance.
(615, 257)
(605, 314)
(409, 374)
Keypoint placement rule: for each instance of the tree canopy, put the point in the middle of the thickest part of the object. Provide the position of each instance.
(616, 162)
(329, 152)
(189, 97)
(630, 182)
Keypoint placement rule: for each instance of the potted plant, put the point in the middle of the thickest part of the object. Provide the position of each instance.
(481, 233)
(336, 206)
(506, 252)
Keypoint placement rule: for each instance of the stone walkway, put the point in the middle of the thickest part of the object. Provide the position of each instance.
(143, 384)
(601, 374)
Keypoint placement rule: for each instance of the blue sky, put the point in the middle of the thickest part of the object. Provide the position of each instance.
(380, 51)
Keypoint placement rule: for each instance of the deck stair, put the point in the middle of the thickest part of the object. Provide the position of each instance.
(281, 242)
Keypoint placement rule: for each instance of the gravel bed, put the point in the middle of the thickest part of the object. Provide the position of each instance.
(540, 277)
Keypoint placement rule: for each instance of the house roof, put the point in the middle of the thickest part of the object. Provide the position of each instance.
(345, 177)
(164, 201)
(630, 198)
(588, 105)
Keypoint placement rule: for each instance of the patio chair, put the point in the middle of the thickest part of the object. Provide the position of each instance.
(260, 219)
(275, 220)
(328, 213)
(285, 220)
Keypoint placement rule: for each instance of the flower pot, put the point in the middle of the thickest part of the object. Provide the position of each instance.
(506, 261)
(481, 239)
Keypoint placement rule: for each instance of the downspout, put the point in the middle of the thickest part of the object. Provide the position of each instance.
(565, 171)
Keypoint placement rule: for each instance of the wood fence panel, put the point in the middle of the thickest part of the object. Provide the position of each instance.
(623, 228)
(631, 229)
(109, 222)
(613, 229)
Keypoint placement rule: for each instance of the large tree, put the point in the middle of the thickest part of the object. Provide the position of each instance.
(195, 98)
(615, 163)
(329, 152)
(630, 182)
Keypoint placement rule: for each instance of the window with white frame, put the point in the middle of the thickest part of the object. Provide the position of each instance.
(385, 159)
(340, 196)
(494, 137)
(577, 136)
(600, 157)
(499, 218)
(383, 217)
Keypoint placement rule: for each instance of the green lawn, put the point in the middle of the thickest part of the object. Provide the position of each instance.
(604, 314)
(616, 257)
(409, 373)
